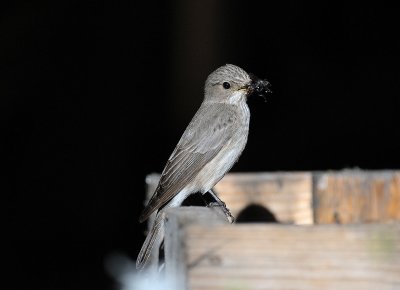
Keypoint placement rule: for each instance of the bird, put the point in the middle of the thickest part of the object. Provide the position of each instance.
(208, 148)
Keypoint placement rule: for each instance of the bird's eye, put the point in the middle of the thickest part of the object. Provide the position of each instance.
(226, 85)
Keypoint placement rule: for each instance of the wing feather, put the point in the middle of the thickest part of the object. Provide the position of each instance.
(210, 129)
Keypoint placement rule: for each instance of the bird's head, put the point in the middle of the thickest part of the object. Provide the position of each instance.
(231, 84)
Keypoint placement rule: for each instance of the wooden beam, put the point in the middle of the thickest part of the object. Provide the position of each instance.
(356, 196)
(254, 256)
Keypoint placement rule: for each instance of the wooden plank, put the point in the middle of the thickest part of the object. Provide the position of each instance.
(355, 196)
(255, 256)
(287, 195)
(177, 219)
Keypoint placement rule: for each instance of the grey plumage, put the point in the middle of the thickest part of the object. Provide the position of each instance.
(210, 145)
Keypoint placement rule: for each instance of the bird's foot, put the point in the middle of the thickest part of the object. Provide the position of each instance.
(225, 210)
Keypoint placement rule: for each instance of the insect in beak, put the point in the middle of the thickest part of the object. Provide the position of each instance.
(258, 87)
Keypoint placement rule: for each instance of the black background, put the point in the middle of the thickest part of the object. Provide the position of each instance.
(95, 95)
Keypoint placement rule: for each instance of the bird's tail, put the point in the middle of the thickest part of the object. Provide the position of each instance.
(154, 238)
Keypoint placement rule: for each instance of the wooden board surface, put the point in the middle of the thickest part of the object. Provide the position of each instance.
(176, 221)
(287, 195)
(348, 196)
(251, 256)
(355, 196)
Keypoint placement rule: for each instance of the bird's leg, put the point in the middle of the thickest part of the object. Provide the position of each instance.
(218, 202)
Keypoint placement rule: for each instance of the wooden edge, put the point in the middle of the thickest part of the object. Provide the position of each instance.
(365, 256)
(176, 219)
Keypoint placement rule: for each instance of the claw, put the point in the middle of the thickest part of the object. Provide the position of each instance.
(226, 211)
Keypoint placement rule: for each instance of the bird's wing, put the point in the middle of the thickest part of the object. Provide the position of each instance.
(210, 129)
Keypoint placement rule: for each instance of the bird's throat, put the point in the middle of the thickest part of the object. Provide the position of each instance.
(237, 97)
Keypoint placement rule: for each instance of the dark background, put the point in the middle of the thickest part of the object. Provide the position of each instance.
(95, 95)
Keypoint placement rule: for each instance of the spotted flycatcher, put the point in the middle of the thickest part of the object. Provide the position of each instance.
(208, 148)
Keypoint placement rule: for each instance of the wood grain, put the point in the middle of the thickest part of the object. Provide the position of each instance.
(344, 250)
(287, 195)
(176, 221)
(281, 257)
(355, 196)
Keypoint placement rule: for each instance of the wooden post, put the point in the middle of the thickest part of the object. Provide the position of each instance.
(176, 222)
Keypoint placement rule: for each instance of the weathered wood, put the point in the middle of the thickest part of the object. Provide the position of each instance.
(202, 252)
(286, 195)
(355, 196)
(177, 220)
(349, 196)
(254, 256)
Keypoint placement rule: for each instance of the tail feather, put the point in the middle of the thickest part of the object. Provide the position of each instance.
(154, 238)
(148, 210)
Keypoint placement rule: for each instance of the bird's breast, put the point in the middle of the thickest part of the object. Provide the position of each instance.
(229, 154)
